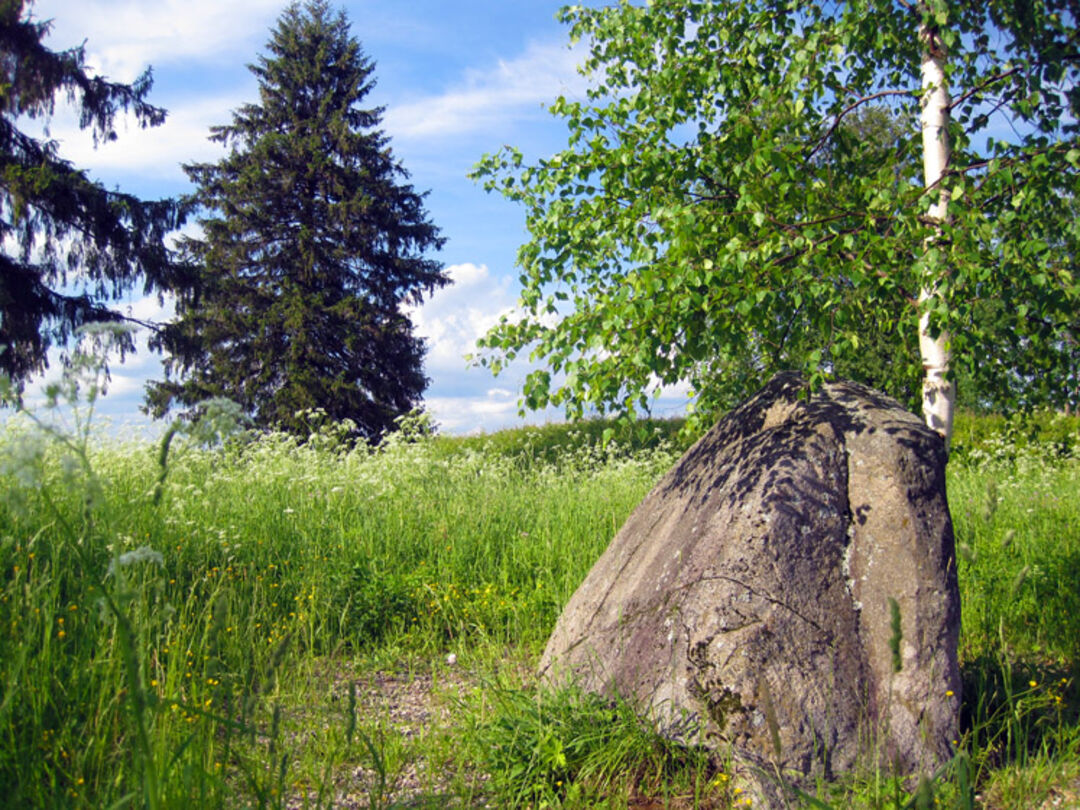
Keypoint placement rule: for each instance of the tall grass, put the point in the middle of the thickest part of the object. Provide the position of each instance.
(143, 630)
(158, 613)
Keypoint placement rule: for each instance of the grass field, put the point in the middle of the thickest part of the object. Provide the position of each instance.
(273, 624)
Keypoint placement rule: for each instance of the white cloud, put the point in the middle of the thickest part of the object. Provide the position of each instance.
(157, 151)
(127, 380)
(486, 412)
(456, 316)
(462, 397)
(488, 98)
(123, 37)
(459, 414)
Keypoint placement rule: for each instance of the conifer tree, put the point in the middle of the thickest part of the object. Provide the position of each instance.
(68, 246)
(312, 244)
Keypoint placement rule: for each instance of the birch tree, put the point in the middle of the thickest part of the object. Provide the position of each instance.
(939, 392)
(713, 219)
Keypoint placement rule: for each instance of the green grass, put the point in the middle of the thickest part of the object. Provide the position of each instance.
(259, 557)
(201, 645)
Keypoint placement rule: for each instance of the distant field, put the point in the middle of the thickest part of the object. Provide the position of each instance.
(233, 637)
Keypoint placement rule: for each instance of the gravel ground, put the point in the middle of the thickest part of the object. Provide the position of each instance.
(404, 707)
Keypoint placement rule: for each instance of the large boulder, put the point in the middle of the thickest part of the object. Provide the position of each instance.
(787, 593)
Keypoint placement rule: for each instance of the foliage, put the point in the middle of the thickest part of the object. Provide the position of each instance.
(562, 443)
(714, 217)
(69, 244)
(376, 604)
(236, 564)
(983, 436)
(311, 247)
(72, 581)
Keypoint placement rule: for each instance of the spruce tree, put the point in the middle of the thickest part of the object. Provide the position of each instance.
(68, 246)
(312, 244)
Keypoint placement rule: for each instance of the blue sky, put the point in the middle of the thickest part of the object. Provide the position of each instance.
(458, 79)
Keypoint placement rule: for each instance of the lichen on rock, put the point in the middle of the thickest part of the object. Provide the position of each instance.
(745, 604)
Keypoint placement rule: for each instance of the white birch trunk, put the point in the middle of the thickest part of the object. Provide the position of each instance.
(939, 393)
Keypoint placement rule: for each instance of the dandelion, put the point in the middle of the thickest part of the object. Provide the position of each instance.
(949, 693)
(1033, 684)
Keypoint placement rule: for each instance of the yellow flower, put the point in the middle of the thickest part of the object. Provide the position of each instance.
(1033, 684)
(949, 693)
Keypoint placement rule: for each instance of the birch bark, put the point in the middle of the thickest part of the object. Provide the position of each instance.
(939, 393)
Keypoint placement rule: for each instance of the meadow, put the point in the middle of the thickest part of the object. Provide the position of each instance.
(262, 622)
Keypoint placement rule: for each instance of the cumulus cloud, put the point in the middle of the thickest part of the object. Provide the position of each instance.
(157, 151)
(454, 317)
(463, 397)
(484, 412)
(463, 414)
(486, 99)
(123, 37)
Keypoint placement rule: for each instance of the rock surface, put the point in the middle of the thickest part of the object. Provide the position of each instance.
(751, 601)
